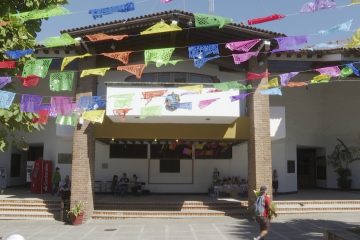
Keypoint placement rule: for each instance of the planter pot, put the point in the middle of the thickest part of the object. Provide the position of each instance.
(78, 219)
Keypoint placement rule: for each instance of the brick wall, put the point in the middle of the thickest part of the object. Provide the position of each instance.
(259, 145)
(83, 161)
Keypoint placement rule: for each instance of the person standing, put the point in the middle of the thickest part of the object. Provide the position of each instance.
(262, 212)
(56, 179)
(275, 181)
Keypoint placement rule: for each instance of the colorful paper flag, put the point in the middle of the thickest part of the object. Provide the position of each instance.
(68, 60)
(266, 19)
(30, 103)
(61, 105)
(43, 113)
(297, 84)
(103, 37)
(200, 62)
(29, 81)
(286, 77)
(137, 69)
(61, 81)
(226, 86)
(7, 64)
(331, 71)
(149, 95)
(6, 99)
(346, 71)
(94, 71)
(87, 103)
(287, 43)
(355, 40)
(70, 120)
(161, 27)
(255, 76)
(94, 116)
(205, 20)
(273, 83)
(38, 67)
(317, 5)
(339, 27)
(271, 91)
(43, 13)
(160, 56)
(121, 56)
(63, 40)
(354, 69)
(244, 46)
(4, 81)
(16, 54)
(152, 111)
(99, 12)
(207, 102)
(322, 78)
(193, 88)
(241, 96)
(122, 100)
(121, 113)
(243, 57)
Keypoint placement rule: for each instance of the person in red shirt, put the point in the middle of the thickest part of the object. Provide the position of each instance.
(262, 211)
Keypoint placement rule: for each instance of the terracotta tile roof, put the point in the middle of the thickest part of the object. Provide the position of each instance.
(177, 13)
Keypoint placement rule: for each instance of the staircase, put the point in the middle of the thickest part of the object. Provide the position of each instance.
(29, 209)
(122, 210)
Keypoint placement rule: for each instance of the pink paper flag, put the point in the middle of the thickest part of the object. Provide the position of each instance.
(244, 46)
(207, 102)
(331, 71)
(243, 57)
(62, 105)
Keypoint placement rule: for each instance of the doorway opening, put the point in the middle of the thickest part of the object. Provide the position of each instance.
(311, 168)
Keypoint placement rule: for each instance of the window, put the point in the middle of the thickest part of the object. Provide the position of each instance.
(128, 151)
(169, 165)
(64, 158)
(15, 165)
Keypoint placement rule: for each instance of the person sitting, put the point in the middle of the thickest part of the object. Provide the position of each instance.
(124, 184)
(114, 184)
(135, 184)
(65, 188)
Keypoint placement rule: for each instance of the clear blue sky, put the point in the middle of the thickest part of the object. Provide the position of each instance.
(238, 10)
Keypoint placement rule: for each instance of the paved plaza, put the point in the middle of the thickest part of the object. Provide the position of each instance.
(218, 228)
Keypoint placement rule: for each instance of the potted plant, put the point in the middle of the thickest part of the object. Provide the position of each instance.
(340, 159)
(76, 213)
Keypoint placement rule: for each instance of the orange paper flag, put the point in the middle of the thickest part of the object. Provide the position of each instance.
(296, 84)
(121, 56)
(121, 112)
(103, 37)
(137, 69)
(151, 94)
(3, 23)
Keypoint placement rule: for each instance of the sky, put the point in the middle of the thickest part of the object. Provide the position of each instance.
(238, 10)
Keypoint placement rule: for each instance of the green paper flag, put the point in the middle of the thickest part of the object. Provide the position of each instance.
(61, 81)
(38, 67)
(64, 40)
(67, 120)
(226, 86)
(346, 71)
(159, 56)
(150, 111)
(43, 13)
(122, 100)
(205, 20)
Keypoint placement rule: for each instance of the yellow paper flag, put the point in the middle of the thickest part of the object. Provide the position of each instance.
(94, 71)
(161, 27)
(355, 1)
(322, 78)
(273, 83)
(355, 40)
(94, 116)
(193, 88)
(68, 60)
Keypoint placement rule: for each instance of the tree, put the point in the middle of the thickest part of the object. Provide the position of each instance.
(18, 35)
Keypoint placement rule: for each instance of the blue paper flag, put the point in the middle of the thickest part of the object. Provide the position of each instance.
(16, 54)
(355, 70)
(337, 28)
(199, 63)
(271, 91)
(202, 51)
(4, 81)
(30, 103)
(6, 99)
(91, 103)
(99, 12)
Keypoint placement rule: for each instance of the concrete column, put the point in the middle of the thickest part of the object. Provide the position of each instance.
(83, 162)
(259, 145)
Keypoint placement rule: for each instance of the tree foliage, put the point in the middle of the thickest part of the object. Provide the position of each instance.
(18, 35)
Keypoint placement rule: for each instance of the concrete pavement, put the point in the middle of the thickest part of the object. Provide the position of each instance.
(219, 228)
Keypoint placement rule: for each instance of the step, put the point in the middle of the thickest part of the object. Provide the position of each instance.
(29, 209)
(27, 215)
